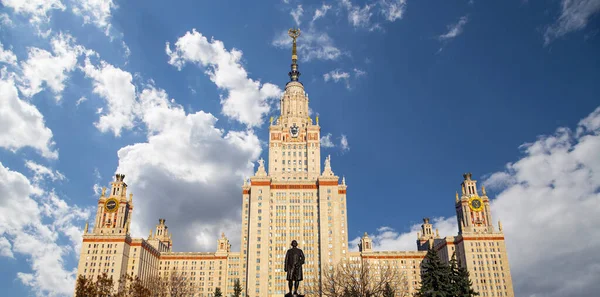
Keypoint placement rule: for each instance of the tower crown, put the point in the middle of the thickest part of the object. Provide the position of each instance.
(473, 212)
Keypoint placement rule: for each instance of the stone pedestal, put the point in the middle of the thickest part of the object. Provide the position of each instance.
(293, 295)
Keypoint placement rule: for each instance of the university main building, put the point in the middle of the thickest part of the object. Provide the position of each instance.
(294, 198)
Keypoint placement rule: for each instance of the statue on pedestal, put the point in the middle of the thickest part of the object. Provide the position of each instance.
(294, 259)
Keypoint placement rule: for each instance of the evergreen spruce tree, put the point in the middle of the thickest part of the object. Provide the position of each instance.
(461, 285)
(454, 276)
(435, 279)
(237, 288)
(388, 291)
(218, 292)
(464, 285)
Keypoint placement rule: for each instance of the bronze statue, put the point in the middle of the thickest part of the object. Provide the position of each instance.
(294, 259)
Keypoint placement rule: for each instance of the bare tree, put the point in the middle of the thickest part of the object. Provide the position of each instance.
(157, 286)
(360, 279)
(178, 285)
(132, 287)
(85, 287)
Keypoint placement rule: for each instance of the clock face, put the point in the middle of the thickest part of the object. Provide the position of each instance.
(476, 204)
(294, 130)
(111, 205)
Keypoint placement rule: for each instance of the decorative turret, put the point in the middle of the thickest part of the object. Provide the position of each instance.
(223, 245)
(327, 171)
(261, 172)
(162, 233)
(366, 244)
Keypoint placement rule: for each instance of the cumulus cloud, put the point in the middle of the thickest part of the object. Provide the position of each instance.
(32, 223)
(51, 69)
(115, 86)
(5, 248)
(312, 45)
(326, 141)
(388, 239)
(5, 20)
(7, 56)
(41, 172)
(21, 123)
(97, 12)
(247, 100)
(321, 12)
(297, 14)
(454, 29)
(550, 193)
(194, 167)
(37, 10)
(574, 16)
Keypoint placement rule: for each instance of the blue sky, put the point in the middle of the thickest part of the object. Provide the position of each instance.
(410, 95)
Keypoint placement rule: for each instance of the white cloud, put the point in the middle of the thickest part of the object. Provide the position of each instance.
(344, 143)
(247, 100)
(574, 16)
(363, 17)
(326, 141)
(97, 12)
(37, 9)
(80, 100)
(7, 56)
(358, 73)
(312, 44)
(297, 14)
(42, 66)
(21, 123)
(115, 86)
(454, 29)
(393, 10)
(321, 12)
(97, 189)
(126, 50)
(6, 248)
(185, 154)
(31, 222)
(41, 172)
(357, 16)
(5, 20)
(388, 239)
(336, 75)
(551, 192)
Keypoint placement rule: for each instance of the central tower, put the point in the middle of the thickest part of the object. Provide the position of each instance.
(294, 152)
(292, 200)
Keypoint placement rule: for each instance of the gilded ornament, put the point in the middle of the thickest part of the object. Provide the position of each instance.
(475, 203)
(111, 205)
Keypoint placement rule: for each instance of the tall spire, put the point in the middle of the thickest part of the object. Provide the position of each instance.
(294, 74)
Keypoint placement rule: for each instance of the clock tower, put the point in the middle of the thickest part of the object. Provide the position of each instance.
(473, 211)
(113, 214)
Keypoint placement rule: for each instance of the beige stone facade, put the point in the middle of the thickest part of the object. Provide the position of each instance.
(291, 200)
